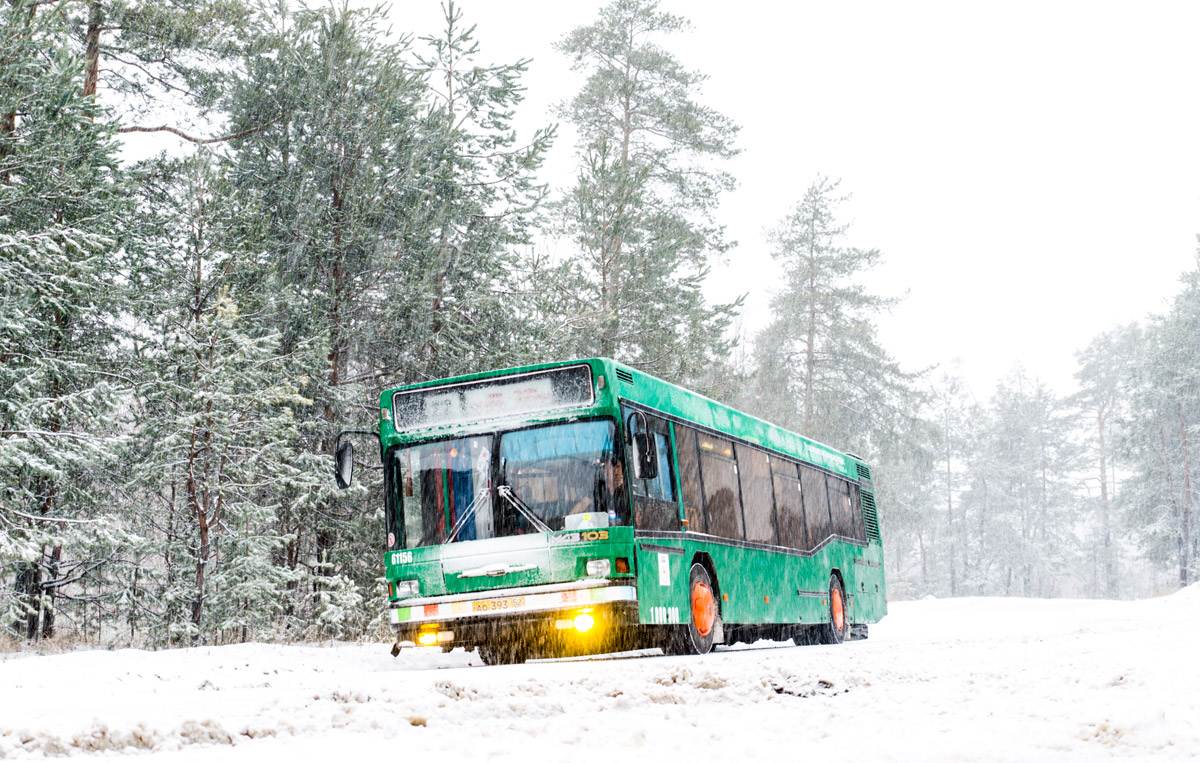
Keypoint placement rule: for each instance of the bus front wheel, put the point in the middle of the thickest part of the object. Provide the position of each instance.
(698, 635)
(501, 655)
(837, 629)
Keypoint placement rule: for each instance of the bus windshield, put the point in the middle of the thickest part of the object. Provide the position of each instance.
(547, 474)
(445, 483)
(564, 470)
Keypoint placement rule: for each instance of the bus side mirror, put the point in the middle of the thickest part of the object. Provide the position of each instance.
(645, 456)
(343, 468)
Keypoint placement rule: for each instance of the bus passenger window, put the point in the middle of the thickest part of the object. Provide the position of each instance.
(722, 506)
(689, 478)
(789, 506)
(860, 530)
(816, 505)
(758, 501)
(840, 507)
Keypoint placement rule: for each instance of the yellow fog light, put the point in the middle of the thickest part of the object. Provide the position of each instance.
(583, 623)
(428, 638)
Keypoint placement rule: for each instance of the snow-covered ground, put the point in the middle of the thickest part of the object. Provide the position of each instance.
(946, 680)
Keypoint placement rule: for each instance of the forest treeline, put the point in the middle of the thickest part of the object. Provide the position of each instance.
(182, 336)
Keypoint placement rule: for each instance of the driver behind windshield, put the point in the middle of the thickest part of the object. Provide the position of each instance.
(609, 494)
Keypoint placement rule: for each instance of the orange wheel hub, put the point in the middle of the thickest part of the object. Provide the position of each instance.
(704, 609)
(839, 612)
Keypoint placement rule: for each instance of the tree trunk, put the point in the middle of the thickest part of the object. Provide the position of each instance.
(950, 508)
(91, 53)
(1186, 523)
(1109, 564)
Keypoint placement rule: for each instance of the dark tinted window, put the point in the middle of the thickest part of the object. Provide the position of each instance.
(860, 531)
(722, 506)
(840, 507)
(758, 501)
(816, 504)
(689, 478)
(654, 504)
(789, 506)
(662, 487)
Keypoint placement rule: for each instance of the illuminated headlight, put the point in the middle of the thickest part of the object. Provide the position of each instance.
(408, 588)
(583, 623)
(598, 568)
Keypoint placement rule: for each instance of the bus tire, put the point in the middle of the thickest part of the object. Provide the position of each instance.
(701, 631)
(492, 655)
(837, 629)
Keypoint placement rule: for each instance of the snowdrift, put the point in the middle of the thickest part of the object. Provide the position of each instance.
(938, 680)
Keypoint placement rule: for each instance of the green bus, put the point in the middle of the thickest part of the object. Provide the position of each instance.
(584, 507)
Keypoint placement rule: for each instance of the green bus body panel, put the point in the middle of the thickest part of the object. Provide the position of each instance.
(756, 584)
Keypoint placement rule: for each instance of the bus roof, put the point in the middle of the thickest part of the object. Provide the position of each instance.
(640, 388)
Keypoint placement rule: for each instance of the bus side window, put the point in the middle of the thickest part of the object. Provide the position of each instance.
(654, 504)
(689, 478)
(816, 505)
(860, 530)
(722, 504)
(839, 506)
(788, 505)
(758, 501)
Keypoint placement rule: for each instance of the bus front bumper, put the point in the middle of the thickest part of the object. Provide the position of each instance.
(564, 613)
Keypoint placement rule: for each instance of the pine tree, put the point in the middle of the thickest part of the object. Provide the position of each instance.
(160, 65)
(1103, 374)
(1022, 491)
(60, 208)
(392, 193)
(640, 213)
(820, 368)
(216, 412)
(1160, 434)
(481, 204)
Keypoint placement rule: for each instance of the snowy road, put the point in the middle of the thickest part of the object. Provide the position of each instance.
(949, 680)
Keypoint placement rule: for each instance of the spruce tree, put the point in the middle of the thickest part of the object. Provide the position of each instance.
(60, 211)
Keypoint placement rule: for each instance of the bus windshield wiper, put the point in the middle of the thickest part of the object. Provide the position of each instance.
(507, 494)
(467, 514)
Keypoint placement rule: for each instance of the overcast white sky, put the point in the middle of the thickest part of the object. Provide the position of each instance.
(1030, 170)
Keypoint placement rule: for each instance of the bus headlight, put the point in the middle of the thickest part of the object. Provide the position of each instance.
(583, 623)
(408, 588)
(598, 568)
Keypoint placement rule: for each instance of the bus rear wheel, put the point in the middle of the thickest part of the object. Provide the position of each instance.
(837, 629)
(698, 636)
